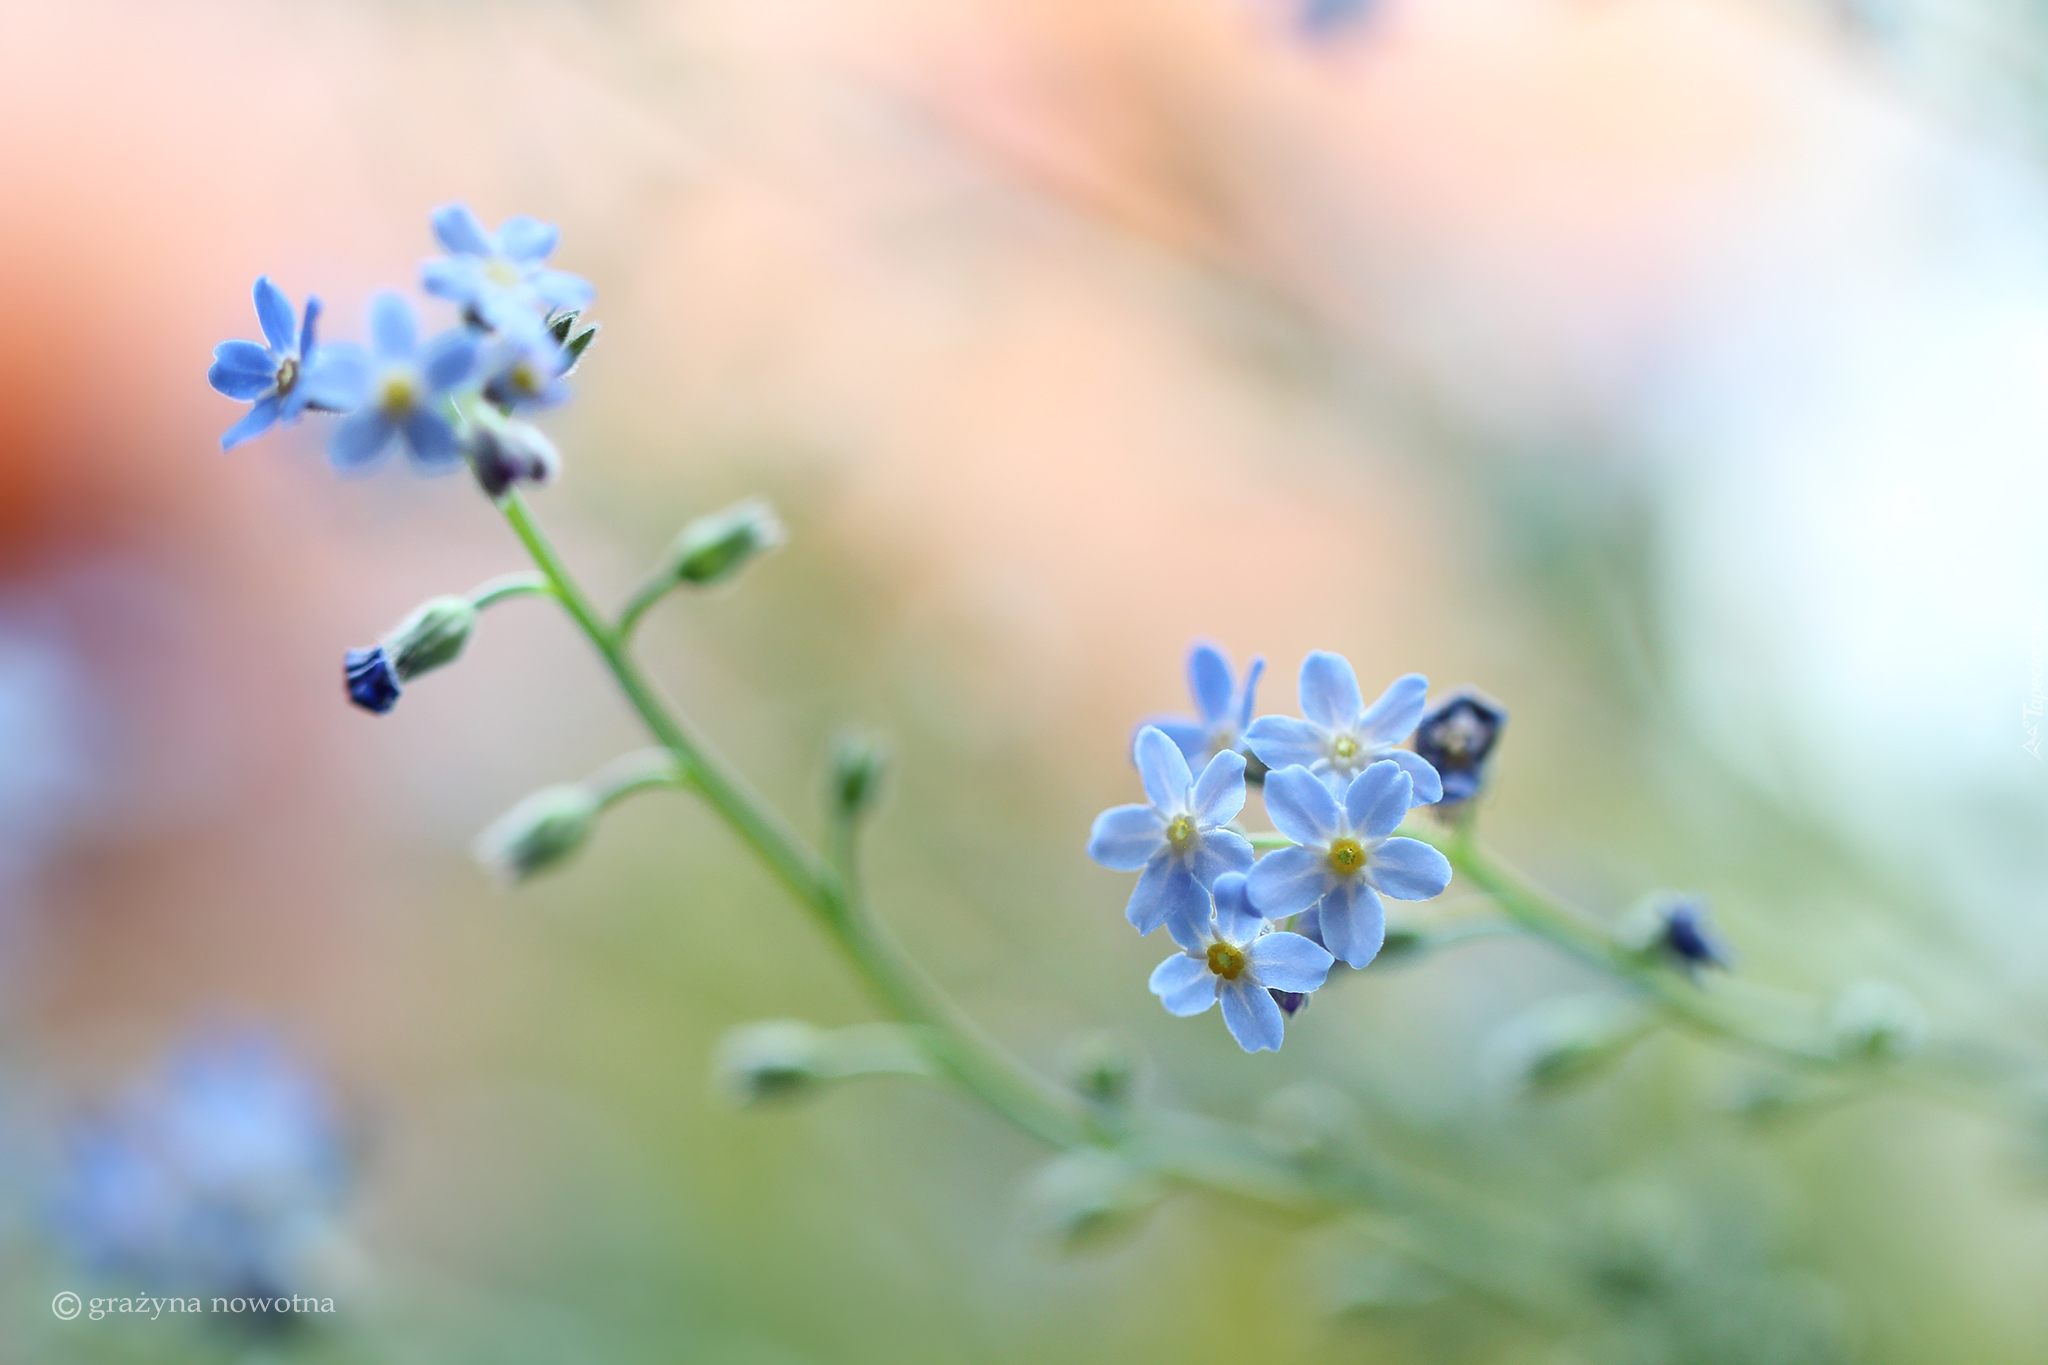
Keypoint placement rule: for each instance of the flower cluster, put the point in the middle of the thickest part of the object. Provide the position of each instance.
(224, 1173)
(1260, 936)
(446, 399)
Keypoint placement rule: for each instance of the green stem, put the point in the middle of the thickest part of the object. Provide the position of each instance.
(641, 771)
(507, 586)
(903, 991)
(652, 591)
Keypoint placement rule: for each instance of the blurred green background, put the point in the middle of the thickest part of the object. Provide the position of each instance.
(1671, 369)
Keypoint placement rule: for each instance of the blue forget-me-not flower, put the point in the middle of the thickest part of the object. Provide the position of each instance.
(523, 367)
(277, 374)
(396, 392)
(1342, 736)
(499, 276)
(1236, 962)
(224, 1174)
(1225, 712)
(1178, 837)
(1344, 860)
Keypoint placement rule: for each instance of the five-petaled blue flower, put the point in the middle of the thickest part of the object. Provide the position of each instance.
(275, 374)
(1178, 838)
(1342, 736)
(500, 276)
(1235, 962)
(523, 367)
(1225, 712)
(1344, 860)
(396, 394)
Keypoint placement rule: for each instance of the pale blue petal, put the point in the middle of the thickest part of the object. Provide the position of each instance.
(1409, 870)
(307, 329)
(1235, 918)
(1166, 887)
(1285, 742)
(1219, 793)
(1329, 691)
(458, 230)
(431, 442)
(459, 278)
(1193, 738)
(1220, 851)
(391, 326)
(242, 385)
(560, 289)
(1253, 1018)
(1125, 837)
(257, 421)
(1251, 692)
(448, 360)
(1301, 807)
(1353, 922)
(244, 357)
(1398, 711)
(1209, 681)
(360, 442)
(1428, 782)
(1193, 933)
(338, 378)
(1184, 984)
(1288, 962)
(1164, 770)
(1287, 881)
(277, 315)
(1377, 799)
(527, 239)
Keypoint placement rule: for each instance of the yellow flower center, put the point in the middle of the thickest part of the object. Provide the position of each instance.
(1344, 748)
(526, 378)
(1346, 857)
(1180, 832)
(398, 394)
(1225, 961)
(287, 374)
(501, 272)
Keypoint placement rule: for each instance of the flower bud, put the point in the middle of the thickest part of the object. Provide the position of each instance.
(432, 636)
(371, 682)
(539, 832)
(858, 764)
(1565, 1042)
(775, 1059)
(1309, 1120)
(1103, 1068)
(1875, 1021)
(712, 549)
(503, 453)
(1676, 930)
(1457, 738)
(1087, 1198)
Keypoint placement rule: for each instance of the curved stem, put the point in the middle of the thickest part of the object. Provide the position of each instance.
(955, 1048)
(507, 586)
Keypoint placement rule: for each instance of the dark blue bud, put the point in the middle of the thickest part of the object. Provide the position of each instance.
(1291, 1003)
(372, 682)
(1457, 738)
(1688, 938)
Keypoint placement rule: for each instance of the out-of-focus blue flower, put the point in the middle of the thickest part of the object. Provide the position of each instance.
(1224, 711)
(1178, 838)
(1342, 736)
(523, 367)
(277, 374)
(396, 392)
(1457, 737)
(500, 276)
(1344, 860)
(1234, 962)
(1688, 937)
(1323, 18)
(223, 1173)
(372, 681)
